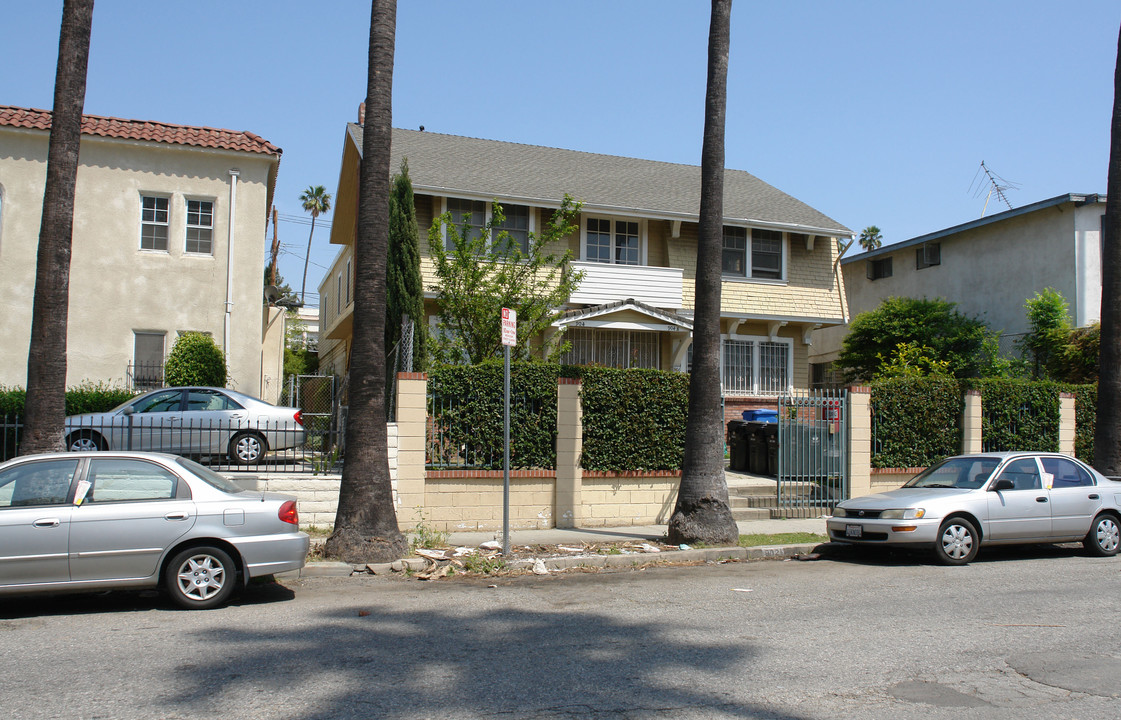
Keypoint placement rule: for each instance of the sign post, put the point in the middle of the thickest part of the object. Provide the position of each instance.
(509, 339)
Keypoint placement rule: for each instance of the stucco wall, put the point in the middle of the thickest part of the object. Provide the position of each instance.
(115, 287)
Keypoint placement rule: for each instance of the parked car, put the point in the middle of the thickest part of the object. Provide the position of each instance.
(98, 520)
(964, 502)
(190, 421)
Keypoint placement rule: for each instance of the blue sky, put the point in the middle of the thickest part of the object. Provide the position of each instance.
(874, 112)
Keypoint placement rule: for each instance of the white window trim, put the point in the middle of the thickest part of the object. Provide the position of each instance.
(748, 268)
(140, 225)
(187, 226)
(757, 341)
(487, 217)
(643, 243)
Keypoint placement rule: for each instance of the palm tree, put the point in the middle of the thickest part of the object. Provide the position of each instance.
(366, 522)
(1107, 430)
(870, 238)
(702, 513)
(45, 407)
(316, 200)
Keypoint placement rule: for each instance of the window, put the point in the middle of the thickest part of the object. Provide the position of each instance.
(928, 255)
(516, 226)
(766, 254)
(1023, 473)
(147, 359)
(612, 348)
(734, 257)
(764, 260)
(879, 269)
(612, 241)
(37, 483)
(203, 400)
(338, 294)
(200, 227)
(348, 274)
(755, 366)
(471, 212)
(1066, 473)
(166, 401)
(153, 223)
(128, 480)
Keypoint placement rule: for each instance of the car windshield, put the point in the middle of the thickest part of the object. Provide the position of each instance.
(962, 472)
(210, 477)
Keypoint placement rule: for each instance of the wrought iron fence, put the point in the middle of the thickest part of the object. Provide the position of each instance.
(812, 451)
(144, 376)
(224, 445)
(466, 433)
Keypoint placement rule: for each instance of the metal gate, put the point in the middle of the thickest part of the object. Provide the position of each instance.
(812, 452)
(316, 396)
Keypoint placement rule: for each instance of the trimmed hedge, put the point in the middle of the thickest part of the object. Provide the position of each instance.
(915, 421)
(1085, 420)
(1019, 415)
(465, 413)
(633, 419)
(86, 398)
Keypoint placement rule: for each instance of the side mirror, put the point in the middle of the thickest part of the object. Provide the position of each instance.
(1003, 484)
(129, 410)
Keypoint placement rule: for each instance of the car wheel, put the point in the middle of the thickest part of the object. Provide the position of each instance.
(247, 449)
(1104, 537)
(85, 440)
(957, 542)
(199, 578)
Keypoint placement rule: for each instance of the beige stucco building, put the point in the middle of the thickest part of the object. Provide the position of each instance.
(169, 233)
(637, 245)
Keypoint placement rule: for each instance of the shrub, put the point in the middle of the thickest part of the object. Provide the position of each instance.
(1019, 415)
(195, 360)
(633, 419)
(915, 421)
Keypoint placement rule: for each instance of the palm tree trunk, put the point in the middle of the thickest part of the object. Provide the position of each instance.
(366, 523)
(303, 283)
(702, 513)
(1107, 430)
(45, 408)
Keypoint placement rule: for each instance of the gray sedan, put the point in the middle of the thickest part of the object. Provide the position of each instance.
(93, 521)
(190, 421)
(1009, 498)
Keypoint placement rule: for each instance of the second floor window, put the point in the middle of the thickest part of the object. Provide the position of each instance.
(879, 269)
(764, 259)
(473, 212)
(200, 227)
(612, 241)
(153, 223)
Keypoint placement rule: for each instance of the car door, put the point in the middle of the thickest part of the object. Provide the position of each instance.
(1023, 512)
(133, 511)
(35, 522)
(211, 417)
(155, 423)
(1075, 500)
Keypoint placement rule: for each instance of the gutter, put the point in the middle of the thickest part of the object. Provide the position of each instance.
(228, 320)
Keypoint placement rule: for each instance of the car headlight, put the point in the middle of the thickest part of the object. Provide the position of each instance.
(905, 514)
(840, 512)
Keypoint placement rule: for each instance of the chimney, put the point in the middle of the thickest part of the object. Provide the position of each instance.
(362, 113)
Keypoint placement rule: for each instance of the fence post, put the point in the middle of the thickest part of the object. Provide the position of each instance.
(412, 425)
(860, 441)
(569, 512)
(971, 439)
(1066, 423)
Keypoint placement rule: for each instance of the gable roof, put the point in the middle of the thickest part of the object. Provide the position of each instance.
(1077, 199)
(453, 165)
(204, 137)
(665, 316)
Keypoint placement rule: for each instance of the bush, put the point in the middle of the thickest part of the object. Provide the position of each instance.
(1085, 419)
(915, 421)
(88, 397)
(1019, 415)
(195, 360)
(633, 419)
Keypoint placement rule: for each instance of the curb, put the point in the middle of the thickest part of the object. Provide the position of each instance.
(763, 552)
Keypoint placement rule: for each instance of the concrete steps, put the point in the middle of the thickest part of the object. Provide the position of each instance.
(761, 502)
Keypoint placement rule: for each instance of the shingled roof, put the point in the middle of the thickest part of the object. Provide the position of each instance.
(110, 127)
(450, 164)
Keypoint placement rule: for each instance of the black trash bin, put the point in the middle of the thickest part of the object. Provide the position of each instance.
(737, 445)
(757, 448)
(770, 442)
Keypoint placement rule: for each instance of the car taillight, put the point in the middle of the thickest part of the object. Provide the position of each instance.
(299, 417)
(288, 513)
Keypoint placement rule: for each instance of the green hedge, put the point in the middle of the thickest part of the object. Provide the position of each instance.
(86, 398)
(465, 414)
(915, 421)
(1019, 415)
(1085, 419)
(633, 419)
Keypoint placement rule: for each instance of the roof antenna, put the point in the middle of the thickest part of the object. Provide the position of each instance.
(991, 184)
(422, 128)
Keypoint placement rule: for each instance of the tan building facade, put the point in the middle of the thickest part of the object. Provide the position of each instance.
(637, 246)
(169, 236)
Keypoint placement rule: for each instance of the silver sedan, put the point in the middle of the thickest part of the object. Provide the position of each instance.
(1008, 498)
(92, 521)
(190, 421)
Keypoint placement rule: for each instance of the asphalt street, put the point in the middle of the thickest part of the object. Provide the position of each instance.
(1020, 633)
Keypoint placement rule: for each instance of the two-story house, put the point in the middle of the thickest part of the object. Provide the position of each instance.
(989, 267)
(637, 245)
(169, 233)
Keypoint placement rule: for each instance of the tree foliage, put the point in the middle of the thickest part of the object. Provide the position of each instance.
(317, 201)
(404, 291)
(870, 238)
(479, 273)
(912, 360)
(1049, 328)
(951, 337)
(195, 360)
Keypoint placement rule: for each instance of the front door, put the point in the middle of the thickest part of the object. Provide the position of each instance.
(1024, 512)
(35, 522)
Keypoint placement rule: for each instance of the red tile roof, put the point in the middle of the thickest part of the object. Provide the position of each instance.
(144, 130)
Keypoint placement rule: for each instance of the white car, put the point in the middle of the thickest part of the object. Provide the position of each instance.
(98, 520)
(964, 502)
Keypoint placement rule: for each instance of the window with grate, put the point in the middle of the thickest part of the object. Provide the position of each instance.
(773, 361)
(737, 373)
(612, 348)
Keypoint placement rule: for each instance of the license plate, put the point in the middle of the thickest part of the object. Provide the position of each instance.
(854, 531)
